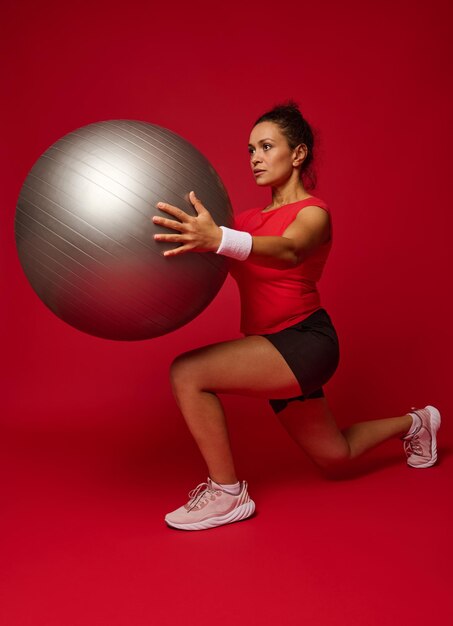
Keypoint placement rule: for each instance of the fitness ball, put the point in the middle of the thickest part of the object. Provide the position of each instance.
(84, 230)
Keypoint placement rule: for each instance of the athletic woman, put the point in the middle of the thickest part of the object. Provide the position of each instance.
(290, 347)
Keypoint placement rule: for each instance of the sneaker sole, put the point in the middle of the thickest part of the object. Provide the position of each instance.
(236, 515)
(435, 425)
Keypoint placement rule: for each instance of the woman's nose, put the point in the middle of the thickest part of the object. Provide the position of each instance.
(255, 159)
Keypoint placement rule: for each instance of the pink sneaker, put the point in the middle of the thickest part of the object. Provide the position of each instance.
(421, 447)
(209, 506)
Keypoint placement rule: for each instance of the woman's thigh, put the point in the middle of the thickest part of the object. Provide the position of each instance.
(249, 366)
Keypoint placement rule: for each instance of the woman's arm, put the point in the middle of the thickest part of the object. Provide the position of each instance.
(310, 229)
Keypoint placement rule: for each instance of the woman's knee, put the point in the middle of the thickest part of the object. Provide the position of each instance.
(186, 372)
(333, 463)
(180, 371)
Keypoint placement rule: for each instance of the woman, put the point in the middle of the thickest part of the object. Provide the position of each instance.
(290, 348)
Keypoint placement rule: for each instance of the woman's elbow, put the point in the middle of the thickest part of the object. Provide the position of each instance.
(287, 262)
(295, 258)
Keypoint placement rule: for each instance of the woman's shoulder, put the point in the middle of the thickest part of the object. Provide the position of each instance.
(311, 201)
(290, 211)
(298, 204)
(250, 217)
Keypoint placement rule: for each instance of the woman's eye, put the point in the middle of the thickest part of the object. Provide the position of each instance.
(266, 145)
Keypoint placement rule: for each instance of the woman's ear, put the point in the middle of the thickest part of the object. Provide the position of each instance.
(300, 154)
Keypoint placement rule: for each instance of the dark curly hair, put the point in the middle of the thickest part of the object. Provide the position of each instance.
(297, 131)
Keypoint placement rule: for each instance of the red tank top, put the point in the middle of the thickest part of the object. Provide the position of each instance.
(273, 299)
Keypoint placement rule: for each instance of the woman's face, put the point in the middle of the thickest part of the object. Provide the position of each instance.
(272, 160)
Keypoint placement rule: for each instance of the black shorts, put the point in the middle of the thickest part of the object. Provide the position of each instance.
(311, 350)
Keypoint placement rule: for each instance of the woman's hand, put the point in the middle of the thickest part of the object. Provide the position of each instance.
(195, 234)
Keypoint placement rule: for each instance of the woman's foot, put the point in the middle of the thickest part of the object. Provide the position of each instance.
(420, 446)
(210, 506)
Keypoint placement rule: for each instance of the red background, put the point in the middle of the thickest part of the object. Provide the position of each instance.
(93, 449)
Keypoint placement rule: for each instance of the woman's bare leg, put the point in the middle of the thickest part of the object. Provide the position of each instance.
(366, 435)
(250, 366)
(206, 421)
(312, 425)
(253, 366)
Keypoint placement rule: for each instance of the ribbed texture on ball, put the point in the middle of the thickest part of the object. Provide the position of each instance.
(84, 230)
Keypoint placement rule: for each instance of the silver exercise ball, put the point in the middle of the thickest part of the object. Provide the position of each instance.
(84, 230)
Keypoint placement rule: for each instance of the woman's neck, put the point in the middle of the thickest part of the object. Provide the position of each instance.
(287, 194)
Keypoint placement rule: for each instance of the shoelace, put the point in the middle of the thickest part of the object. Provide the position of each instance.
(413, 446)
(199, 495)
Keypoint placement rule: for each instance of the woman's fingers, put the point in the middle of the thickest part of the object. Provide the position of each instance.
(168, 238)
(199, 208)
(193, 233)
(176, 251)
(173, 210)
(174, 239)
(172, 224)
(181, 215)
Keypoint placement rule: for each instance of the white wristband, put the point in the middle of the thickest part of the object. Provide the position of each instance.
(236, 244)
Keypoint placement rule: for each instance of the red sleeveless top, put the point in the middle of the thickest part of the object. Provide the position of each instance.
(273, 299)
